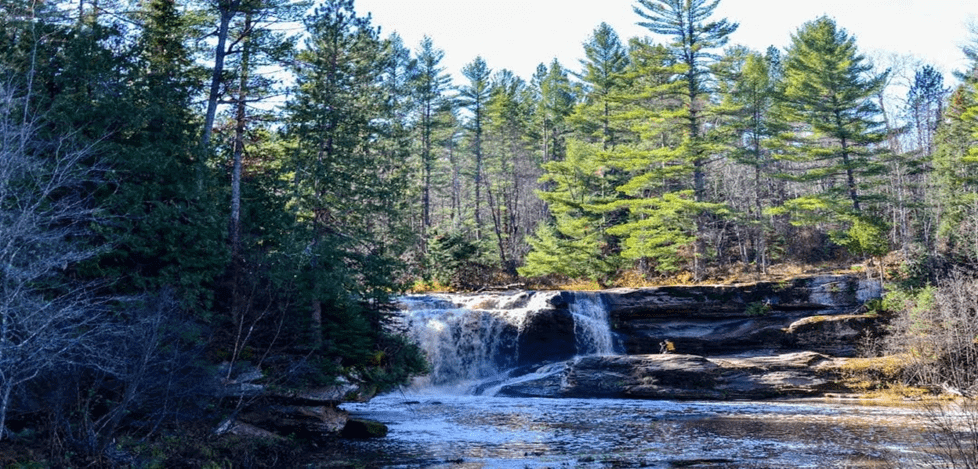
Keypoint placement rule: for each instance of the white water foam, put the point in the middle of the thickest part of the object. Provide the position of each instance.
(592, 330)
(473, 340)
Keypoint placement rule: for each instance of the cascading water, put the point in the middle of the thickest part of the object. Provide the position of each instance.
(471, 339)
(483, 347)
(591, 328)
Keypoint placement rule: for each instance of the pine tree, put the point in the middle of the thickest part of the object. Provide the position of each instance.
(955, 175)
(555, 102)
(511, 169)
(909, 171)
(575, 243)
(828, 90)
(669, 181)
(747, 87)
(584, 192)
(475, 97)
(341, 201)
(430, 85)
(601, 76)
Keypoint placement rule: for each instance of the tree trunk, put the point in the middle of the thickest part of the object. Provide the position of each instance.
(239, 131)
(316, 324)
(226, 9)
(478, 174)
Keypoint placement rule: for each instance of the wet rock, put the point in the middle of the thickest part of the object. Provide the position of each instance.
(793, 374)
(322, 395)
(547, 335)
(676, 376)
(363, 429)
(303, 421)
(237, 428)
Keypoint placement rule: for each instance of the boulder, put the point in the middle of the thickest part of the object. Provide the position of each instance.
(275, 412)
(363, 429)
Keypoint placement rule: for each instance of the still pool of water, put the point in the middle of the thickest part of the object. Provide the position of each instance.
(448, 431)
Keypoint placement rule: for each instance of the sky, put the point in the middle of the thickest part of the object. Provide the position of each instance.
(520, 34)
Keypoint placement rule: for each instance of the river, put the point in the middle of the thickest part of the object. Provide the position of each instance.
(444, 431)
(452, 419)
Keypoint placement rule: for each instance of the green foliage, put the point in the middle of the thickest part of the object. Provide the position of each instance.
(865, 237)
(576, 244)
(827, 91)
(346, 233)
(606, 61)
(913, 301)
(448, 255)
(758, 308)
(955, 168)
(554, 105)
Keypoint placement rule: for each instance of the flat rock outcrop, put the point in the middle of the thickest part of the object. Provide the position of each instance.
(674, 376)
(726, 319)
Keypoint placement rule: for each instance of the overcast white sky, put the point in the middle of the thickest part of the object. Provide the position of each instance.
(519, 34)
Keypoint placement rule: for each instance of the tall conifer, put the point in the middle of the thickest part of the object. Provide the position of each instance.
(828, 92)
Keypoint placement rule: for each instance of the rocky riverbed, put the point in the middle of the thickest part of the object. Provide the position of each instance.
(754, 341)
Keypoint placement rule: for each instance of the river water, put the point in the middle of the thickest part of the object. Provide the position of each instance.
(441, 422)
(448, 431)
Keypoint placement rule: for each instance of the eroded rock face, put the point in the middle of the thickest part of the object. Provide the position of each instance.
(839, 336)
(724, 319)
(274, 413)
(669, 376)
(547, 335)
(751, 341)
(303, 421)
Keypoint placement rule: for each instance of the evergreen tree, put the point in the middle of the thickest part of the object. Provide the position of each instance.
(955, 178)
(430, 85)
(584, 192)
(555, 102)
(747, 87)
(829, 91)
(511, 170)
(475, 97)
(575, 243)
(909, 171)
(344, 261)
(925, 107)
(662, 193)
(601, 75)
(132, 102)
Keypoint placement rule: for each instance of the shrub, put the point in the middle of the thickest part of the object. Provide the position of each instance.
(938, 328)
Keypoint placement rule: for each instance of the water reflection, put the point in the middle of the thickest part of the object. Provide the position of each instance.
(475, 432)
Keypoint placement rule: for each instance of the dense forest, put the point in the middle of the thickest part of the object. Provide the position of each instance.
(185, 183)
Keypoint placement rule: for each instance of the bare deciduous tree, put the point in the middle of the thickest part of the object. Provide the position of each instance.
(44, 217)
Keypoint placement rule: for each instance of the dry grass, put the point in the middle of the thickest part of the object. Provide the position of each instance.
(898, 393)
(724, 275)
(875, 374)
(431, 286)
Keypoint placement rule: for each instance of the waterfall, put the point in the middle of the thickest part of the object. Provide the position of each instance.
(470, 339)
(592, 332)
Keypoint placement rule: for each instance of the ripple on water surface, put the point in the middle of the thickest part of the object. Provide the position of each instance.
(476, 431)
